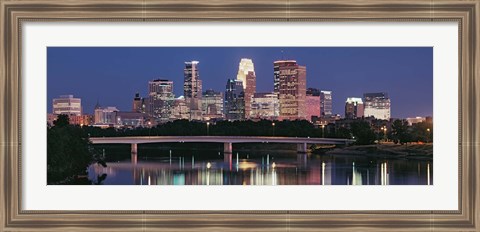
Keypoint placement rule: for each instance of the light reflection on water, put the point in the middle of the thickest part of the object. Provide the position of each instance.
(284, 169)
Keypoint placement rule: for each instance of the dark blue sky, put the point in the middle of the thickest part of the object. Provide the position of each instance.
(114, 74)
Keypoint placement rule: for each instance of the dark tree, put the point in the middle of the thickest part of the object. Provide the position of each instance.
(422, 132)
(68, 151)
(363, 133)
(400, 132)
(62, 120)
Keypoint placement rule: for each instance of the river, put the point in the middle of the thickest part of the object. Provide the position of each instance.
(186, 166)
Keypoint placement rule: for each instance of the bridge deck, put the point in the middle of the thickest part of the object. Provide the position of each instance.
(216, 139)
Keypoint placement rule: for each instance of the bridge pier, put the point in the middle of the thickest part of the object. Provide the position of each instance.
(302, 160)
(227, 160)
(302, 148)
(134, 158)
(134, 148)
(227, 148)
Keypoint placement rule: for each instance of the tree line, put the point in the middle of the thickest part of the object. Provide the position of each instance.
(360, 130)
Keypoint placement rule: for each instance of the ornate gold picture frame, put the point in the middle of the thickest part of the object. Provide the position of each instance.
(13, 13)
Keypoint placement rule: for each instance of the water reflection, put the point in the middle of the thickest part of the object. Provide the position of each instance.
(258, 169)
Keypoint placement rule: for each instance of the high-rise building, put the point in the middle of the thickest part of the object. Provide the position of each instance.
(192, 89)
(160, 99)
(180, 109)
(106, 115)
(246, 74)
(325, 103)
(67, 104)
(234, 106)
(265, 106)
(145, 101)
(137, 103)
(354, 108)
(377, 105)
(290, 85)
(312, 104)
(212, 104)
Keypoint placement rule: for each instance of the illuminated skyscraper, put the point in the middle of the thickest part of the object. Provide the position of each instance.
(67, 104)
(160, 99)
(180, 109)
(377, 105)
(246, 74)
(325, 103)
(312, 103)
(265, 106)
(212, 104)
(354, 108)
(290, 84)
(234, 106)
(192, 89)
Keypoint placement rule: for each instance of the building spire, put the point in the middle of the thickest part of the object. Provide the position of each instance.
(97, 106)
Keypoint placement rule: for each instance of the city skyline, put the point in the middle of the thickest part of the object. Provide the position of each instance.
(124, 72)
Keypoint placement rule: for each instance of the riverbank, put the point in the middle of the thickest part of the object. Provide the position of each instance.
(391, 150)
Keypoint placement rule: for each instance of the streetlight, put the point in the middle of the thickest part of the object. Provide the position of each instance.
(428, 138)
(385, 133)
(208, 124)
(323, 131)
(149, 128)
(273, 127)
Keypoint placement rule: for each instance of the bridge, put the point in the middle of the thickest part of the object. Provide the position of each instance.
(226, 140)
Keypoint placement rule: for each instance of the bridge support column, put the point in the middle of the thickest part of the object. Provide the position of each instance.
(302, 159)
(227, 148)
(134, 158)
(227, 160)
(134, 148)
(302, 148)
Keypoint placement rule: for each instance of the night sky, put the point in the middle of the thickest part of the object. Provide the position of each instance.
(113, 75)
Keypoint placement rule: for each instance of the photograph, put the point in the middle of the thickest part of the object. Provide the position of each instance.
(260, 115)
(240, 116)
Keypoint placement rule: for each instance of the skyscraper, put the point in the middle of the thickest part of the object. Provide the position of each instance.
(246, 74)
(212, 104)
(137, 103)
(192, 89)
(234, 106)
(377, 105)
(290, 84)
(265, 106)
(354, 108)
(180, 109)
(160, 99)
(312, 103)
(325, 103)
(67, 104)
